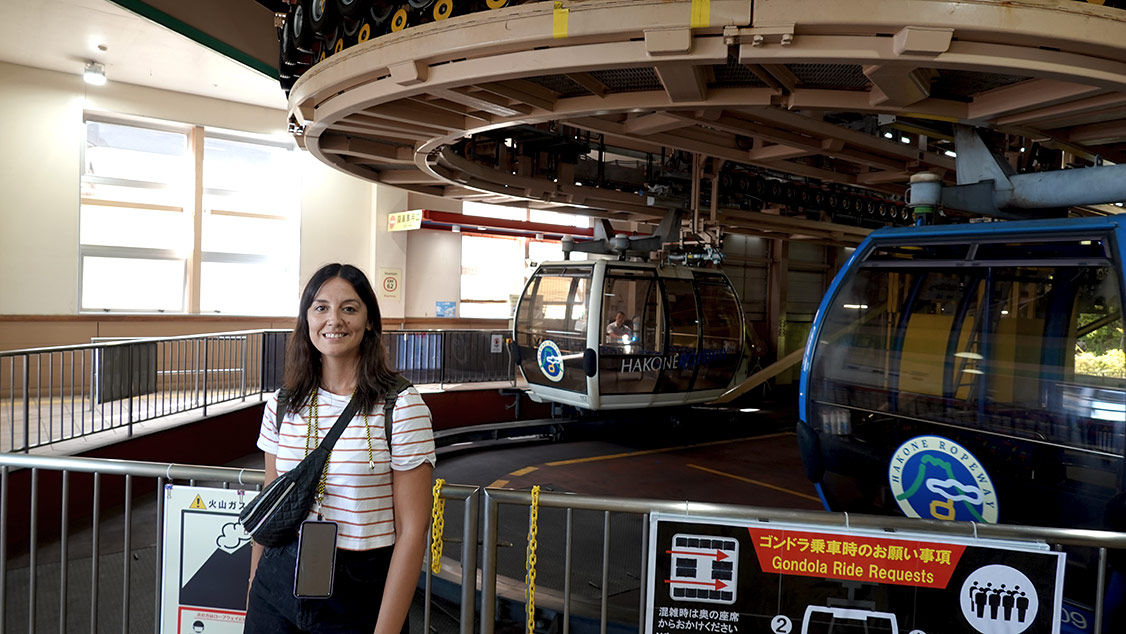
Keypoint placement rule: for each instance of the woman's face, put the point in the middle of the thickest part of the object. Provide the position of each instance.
(337, 320)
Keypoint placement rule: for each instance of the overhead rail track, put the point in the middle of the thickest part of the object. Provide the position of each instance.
(804, 116)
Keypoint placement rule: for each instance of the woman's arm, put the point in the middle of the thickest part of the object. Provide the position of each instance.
(413, 500)
(256, 548)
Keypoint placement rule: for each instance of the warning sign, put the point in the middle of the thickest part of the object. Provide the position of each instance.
(206, 561)
(711, 575)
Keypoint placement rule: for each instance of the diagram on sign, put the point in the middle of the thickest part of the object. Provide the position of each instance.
(214, 560)
(704, 568)
(998, 599)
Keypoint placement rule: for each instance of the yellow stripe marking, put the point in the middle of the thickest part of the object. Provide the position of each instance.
(524, 471)
(701, 14)
(559, 21)
(497, 484)
(647, 452)
(761, 484)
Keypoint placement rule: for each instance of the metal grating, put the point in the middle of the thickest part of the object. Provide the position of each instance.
(833, 76)
(963, 85)
(629, 79)
(734, 75)
(562, 84)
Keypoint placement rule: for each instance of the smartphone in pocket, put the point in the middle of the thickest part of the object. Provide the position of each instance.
(316, 560)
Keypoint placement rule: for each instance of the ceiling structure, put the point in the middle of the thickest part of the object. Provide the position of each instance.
(792, 108)
(211, 48)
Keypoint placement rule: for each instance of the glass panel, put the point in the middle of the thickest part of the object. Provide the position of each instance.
(259, 288)
(128, 227)
(630, 356)
(140, 154)
(248, 235)
(684, 333)
(484, 310)
(557, 218)
(241, 165)
(491, 268)
(723, 333)
(132, 284)
(470, 208)
(1032, 352)
(554, 308)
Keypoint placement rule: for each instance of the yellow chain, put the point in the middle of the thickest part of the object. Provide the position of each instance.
(437, 525)
(530, 566)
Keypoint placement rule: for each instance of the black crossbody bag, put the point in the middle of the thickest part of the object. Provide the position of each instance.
(272, 518)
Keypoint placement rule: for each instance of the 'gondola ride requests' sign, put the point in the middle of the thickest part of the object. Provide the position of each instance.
(725, 576)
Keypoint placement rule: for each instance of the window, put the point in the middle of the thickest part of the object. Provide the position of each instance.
(495, 268)
(138, 224)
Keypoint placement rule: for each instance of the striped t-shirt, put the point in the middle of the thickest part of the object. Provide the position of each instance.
(356, 497)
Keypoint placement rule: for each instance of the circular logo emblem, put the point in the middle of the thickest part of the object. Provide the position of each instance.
(550, 361)
(997, 599)
(390, 284)
(936, 478)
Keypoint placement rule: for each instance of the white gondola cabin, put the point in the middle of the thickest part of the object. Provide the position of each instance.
(607, 334)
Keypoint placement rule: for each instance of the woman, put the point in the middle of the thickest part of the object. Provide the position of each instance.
(335, 354)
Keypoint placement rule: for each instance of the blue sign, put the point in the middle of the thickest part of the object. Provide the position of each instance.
(936, 478)
(445, 309)
(550, 360)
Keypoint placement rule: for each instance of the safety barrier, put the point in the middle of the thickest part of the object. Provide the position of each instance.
(117, 492)
(49, 395)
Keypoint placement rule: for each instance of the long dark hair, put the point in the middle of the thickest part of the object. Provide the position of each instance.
(303, 361)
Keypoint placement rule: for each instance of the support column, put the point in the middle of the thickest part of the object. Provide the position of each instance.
(388, 250)
(777, 296)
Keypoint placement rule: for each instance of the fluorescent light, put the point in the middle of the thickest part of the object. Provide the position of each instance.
(951, 154)
(749, 410)
(888, 135)
(94, 74)
(904, 139)
(969, 355)
(855, 306)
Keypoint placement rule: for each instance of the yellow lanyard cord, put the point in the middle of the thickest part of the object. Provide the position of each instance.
(530, 566)
(437, 525)
(313, 439)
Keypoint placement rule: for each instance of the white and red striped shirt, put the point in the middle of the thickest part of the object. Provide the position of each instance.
(356, 497)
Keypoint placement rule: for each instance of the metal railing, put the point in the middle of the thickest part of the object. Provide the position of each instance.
(48, 583)
(114, 585)
(49, 395)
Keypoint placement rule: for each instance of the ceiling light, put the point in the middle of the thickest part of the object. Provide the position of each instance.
(951, 154)
(904, 139)
(888, 135)
(94, 74)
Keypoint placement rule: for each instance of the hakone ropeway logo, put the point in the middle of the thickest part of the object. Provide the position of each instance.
(550, 360)
(936, 478)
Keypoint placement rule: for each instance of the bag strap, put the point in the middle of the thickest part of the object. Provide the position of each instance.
(341, 423)
(401, 383)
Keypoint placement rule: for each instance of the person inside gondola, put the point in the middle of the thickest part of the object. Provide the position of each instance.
(619, 331)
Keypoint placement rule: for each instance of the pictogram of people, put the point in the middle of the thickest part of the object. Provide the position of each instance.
(1001, 602)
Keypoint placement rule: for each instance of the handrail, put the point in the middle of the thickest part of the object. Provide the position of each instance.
(118, 341)
(167, 470)
(1069, 536)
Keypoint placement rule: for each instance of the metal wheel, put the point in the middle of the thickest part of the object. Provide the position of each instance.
(400, 20)
(300, 28)
(496, 4)
(381, 11)
(421, 5)
(322, 15)
(352, 9)
(443, 9)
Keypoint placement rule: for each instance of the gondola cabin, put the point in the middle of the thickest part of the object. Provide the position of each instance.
(975, 373)
(606, 334)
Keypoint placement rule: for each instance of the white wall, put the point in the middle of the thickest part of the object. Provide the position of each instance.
(40, 162)
(433, 257)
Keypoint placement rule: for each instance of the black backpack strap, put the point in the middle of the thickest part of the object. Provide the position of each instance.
(401, 383)
(279, 410)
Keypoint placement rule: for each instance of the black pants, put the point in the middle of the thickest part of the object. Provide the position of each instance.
(352, 608)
